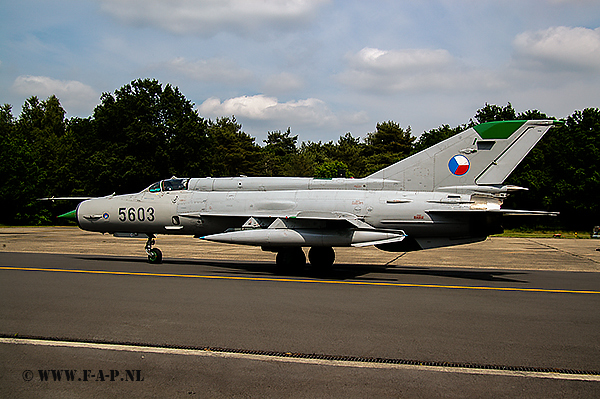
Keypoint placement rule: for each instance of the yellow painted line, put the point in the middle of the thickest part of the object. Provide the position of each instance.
(300, 280)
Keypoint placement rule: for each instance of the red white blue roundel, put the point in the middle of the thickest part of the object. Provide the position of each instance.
(459, 165)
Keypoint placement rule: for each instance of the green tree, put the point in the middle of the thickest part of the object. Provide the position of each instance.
(491, 112)
(42, 124)
(562, 172)
(233, 152)
(532, 115)
(280, 154)
(348, 150)
(332, 169)
(35, 143)
(146, 132)
(82, 160)
(281, 144)
(187, 139)
(434, 136)
(17, 165)
(387, 145)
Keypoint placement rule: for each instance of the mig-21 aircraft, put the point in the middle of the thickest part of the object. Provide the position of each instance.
(448, 194)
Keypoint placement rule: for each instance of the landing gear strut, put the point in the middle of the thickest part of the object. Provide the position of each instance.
(154, 254)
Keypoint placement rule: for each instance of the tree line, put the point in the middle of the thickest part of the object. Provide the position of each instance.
(147, 131)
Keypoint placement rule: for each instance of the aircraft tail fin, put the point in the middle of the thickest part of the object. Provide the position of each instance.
(483, 155)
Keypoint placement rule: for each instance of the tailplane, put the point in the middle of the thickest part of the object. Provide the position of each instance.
(484, 155)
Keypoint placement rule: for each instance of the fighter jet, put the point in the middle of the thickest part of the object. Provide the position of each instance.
(448, 194)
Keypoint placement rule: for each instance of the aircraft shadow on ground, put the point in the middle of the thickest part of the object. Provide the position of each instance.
(337, 272)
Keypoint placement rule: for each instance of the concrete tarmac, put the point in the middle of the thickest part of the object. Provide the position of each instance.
(500, 318)
(495, 252)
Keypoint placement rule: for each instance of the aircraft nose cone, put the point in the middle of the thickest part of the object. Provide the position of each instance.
(72, 215)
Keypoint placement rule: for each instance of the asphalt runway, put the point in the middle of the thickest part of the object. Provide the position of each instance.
(227, 325)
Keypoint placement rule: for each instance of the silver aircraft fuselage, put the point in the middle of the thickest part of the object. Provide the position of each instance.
(213, 205)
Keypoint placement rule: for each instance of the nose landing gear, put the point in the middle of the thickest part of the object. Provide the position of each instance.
(154, 254)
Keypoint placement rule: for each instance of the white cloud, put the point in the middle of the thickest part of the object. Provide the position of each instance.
(311, 111)
(76, 97)
(559, 48)
(212, 16)
(410, 60)
(394, 71)
(260, 114)
(211, 70)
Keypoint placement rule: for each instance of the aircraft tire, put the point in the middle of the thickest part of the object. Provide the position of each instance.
(291, 260)
(321, 257)
(155, 256)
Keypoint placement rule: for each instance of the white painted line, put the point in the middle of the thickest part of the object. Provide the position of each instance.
(320, 362)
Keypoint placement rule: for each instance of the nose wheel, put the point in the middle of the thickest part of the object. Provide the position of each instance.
(154, 254)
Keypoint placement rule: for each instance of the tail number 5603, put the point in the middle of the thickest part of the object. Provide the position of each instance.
(139, 214)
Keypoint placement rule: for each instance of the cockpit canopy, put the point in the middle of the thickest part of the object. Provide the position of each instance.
(171, 184)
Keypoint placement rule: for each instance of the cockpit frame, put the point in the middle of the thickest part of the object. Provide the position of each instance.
(172, 184)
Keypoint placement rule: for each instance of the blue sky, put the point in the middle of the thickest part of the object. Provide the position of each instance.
(321, 67)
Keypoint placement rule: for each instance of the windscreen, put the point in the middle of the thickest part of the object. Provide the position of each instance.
(169, 185)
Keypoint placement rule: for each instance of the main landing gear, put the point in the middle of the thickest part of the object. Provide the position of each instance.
(154, 254)
(293, 260)
(321, 257)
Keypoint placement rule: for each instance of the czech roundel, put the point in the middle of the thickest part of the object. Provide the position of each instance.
(459, 165)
